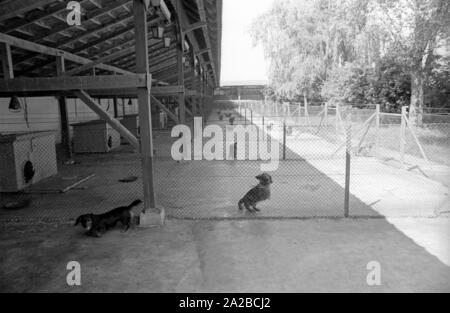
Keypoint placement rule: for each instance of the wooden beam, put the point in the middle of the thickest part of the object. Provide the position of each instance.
(202, 13)
(157, 91)
(31, 46)
(122, 130)
(50, 84)
(63, 113)
(6, 60)
(183, 17)
(165, 109)
(145, 112)
(12, 8)
(105, 59)
(193, 78)
(200, 52)
(180, 65)
(64, 26)
(100, 51)
(163, 66)
(193, 27)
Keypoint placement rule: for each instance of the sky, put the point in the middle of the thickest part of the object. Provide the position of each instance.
(240, 60)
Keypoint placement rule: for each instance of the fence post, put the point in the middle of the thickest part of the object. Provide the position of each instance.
(348, 165)
(403, 136)
(284, 140)
(326, 114)
(251, 116)
(245, 117)
(337, 117)
(377, 129)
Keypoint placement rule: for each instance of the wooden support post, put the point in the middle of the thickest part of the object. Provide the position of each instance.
(193, 80)
(403, 135)
(145, 112)
(6, 60)
(180, 65)
(64, 116)
(116, 113)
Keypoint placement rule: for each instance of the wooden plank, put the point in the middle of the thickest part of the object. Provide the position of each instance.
(55, 10)
(6, 60)
(200, 52)
(105, 59)
(157, 91)
(145, 112)
(180, 65)
(49, 84)
(192, 27)
(193, 77)
(31, 46)
(165, 109)
(12, 8)
(202, 13)
(125, 133)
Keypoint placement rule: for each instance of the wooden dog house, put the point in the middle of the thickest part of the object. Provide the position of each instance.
(26, 159)
(94, 137)
(131, 122)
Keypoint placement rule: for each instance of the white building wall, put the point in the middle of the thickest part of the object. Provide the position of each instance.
(42, 114)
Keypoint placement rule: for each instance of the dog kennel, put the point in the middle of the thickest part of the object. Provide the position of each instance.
(131, 122)
(94, 137)
(25, 159)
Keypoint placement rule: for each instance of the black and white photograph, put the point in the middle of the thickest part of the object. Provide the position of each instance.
(224, 152)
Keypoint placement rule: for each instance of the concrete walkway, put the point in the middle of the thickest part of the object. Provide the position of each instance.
(228, 256)
(399, 195)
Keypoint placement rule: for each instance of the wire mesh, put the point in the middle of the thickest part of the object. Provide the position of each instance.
(307, 145)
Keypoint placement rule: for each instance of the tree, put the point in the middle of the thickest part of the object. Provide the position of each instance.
(312, 44)
(419, 26)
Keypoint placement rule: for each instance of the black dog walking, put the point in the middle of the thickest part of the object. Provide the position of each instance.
(98, 224)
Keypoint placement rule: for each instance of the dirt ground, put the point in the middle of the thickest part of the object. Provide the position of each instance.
(228, 256)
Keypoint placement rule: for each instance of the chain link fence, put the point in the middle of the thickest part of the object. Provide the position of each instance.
(330, 162)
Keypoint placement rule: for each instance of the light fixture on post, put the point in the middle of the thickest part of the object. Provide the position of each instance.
(167, 41)
(14, 104)
(157, 31)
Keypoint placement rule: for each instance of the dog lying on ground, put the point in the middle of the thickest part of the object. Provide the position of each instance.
(259, 193)
(96, 225)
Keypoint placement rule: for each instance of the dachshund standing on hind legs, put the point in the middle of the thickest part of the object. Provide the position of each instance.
(257, 194)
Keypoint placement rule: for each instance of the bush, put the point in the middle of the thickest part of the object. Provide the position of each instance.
(359, 87)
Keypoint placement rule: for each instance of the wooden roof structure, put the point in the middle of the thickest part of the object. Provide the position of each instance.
(106, 36)
(114, 52)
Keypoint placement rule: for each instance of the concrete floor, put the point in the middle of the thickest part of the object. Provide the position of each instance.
(228, 256)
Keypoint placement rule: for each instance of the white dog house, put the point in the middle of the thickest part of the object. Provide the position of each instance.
(94, 137)
(26, 159)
